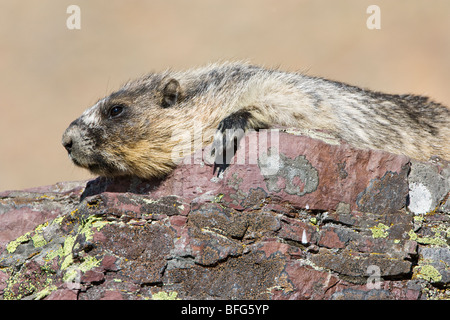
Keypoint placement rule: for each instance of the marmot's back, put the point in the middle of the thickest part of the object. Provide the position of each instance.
(135, 130)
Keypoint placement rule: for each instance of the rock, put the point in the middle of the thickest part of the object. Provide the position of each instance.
(434, 265)
(428, 183)
(297, 218)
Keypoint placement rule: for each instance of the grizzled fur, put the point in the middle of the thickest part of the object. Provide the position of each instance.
(135, 130)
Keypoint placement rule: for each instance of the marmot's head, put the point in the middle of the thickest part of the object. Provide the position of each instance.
(130, 131)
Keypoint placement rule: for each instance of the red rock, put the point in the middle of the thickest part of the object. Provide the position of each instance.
(314, 229)
(109, 263)
(273, 247)
(62, 294)
(178, 221)
(112, 295)
(307, 283)
(296, 230)
(329, 238)
(17, 222)
(92, 276)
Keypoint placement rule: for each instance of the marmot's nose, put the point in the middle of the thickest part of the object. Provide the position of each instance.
(67, 142)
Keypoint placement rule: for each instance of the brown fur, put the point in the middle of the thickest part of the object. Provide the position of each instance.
(138, 129)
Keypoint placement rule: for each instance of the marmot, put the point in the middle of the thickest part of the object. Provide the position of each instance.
(133, 130)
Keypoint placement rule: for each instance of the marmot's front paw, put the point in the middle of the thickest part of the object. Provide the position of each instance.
(226, 139)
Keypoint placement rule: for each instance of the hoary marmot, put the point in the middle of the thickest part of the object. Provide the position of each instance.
(134, 130)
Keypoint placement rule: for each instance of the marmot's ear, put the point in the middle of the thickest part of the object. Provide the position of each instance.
(171, 93)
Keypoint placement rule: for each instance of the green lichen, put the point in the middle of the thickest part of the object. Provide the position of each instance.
(45, 292)
(18, 287)
(379, 231)
(86, 229)
(38, 240)
(436, 240)
(74, 270)
(89, 263)
(162, 295)
(36, 236)
(218, 198)
(429, 273)
(92, 222)
(12, 245)
(71, 274)
(54, 253)
(68, 246)
(412, 235)
(65, 252)
(68, 260)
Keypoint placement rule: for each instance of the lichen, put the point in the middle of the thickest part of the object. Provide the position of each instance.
(45, 292)
(162, 295)
(379, 231)
(218, 198)
(429, 273)
(19, 287)
(74, 270)
(12, 245)
(412, 235)
(68, 245)
(71, 274)
(92, 222)
(294, 176)
(65, 252)
(54, 253)
(436, 240)
(36, 236)
(38, 240)
(89, 263)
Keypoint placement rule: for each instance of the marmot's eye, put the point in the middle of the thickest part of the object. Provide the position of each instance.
(115, 110)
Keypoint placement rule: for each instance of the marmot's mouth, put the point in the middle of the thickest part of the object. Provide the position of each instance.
(93, 167)
(96, 164)
(104, 169)
(79, 163)
(75, 161)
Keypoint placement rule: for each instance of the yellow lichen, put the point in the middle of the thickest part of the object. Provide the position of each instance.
(379, 231)
(436, 240)
(162, 295)
(12, 245)
(92, 222)
(428, 272)
(45, 292)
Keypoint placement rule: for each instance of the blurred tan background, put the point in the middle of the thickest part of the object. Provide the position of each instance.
(50, 74)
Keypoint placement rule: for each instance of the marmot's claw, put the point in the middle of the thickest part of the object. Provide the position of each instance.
(218, 143)
(226, 139)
